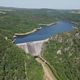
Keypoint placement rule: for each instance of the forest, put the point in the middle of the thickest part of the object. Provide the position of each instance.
(62, 51)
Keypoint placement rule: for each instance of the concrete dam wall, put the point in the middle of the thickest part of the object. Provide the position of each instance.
(34, 48)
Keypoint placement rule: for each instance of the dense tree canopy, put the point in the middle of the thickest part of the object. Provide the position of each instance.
(63, 56)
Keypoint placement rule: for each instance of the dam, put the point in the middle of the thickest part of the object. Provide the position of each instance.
(33, 43)
(34, 48)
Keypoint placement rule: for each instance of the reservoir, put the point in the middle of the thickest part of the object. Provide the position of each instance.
(45, 32)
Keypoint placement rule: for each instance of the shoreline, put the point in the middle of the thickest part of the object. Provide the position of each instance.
(47, 24)
(34, 30)
(22, 34)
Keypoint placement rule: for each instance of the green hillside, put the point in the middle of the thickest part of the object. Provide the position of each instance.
(63, 54)
(24, 20)
(16, 65)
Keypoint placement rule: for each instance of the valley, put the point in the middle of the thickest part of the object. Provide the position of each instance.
(57, 58)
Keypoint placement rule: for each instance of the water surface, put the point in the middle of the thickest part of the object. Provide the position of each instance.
(45, 32)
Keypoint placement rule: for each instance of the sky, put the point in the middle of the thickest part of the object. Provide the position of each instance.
(52, 4)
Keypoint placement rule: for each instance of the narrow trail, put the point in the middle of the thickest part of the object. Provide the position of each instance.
(48, 75)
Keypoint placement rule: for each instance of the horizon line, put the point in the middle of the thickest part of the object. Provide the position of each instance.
(39, 8)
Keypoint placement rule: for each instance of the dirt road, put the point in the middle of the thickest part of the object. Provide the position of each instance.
(48, 75)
